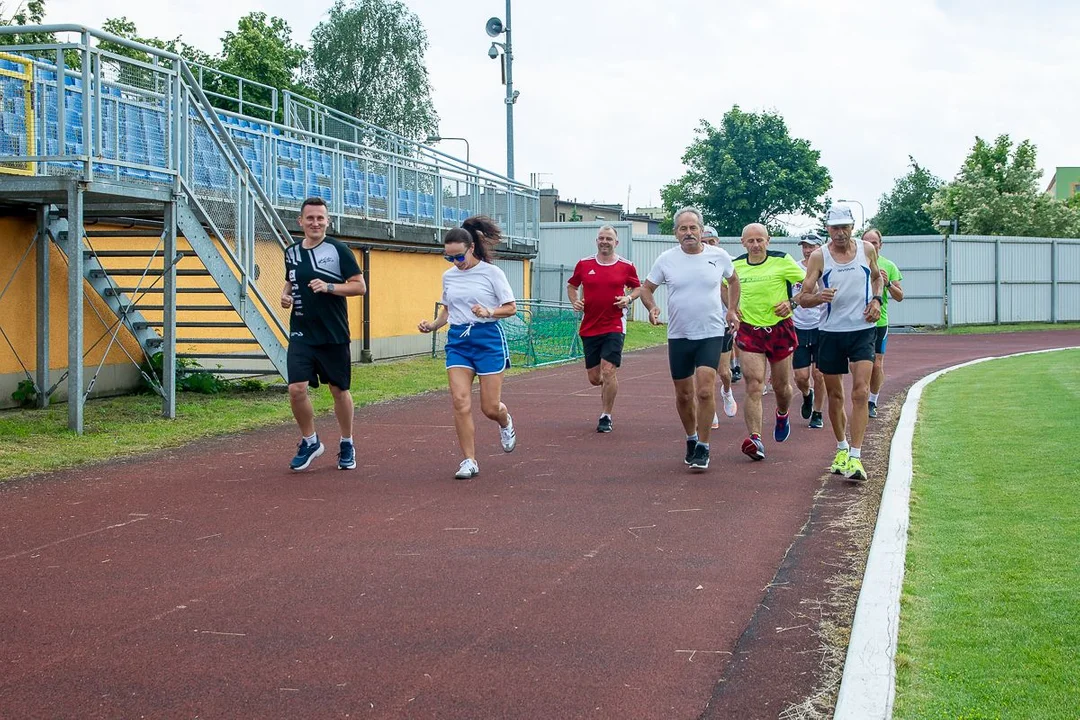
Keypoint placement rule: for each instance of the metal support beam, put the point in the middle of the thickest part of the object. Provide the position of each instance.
(168, 329)
(42, 308)
(76, 400)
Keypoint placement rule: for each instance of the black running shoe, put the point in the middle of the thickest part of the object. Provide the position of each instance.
(604, 426)
(736, 374)
(691, 445)
(808, 404)
(700, 461)
(816, 420)
(872, 409)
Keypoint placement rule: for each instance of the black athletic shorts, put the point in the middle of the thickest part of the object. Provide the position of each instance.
(837, 349)
(686, 356)
(603, 347)
(729, 343)
(881, 339)
(807, 351)
(331, 364)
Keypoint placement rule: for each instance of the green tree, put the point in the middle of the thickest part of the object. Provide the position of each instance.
(262, 49)
(749, 169)
(367, 60)
(903, 211)
(32, 13)
(997, 192)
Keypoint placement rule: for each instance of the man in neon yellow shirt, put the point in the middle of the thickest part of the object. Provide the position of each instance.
(766, 334)
(891, 276)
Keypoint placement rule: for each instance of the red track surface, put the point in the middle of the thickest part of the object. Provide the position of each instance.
(584, 575)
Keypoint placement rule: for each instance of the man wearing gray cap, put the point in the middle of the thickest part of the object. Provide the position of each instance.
(709, 237)
(851, 291)
(804, 361)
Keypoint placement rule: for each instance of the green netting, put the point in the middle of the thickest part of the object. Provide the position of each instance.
(540, 333)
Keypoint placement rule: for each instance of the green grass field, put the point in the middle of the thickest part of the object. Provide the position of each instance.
(1007, 328)
(38, 440)
(990, 619)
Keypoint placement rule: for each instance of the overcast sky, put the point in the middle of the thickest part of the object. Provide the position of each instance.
(611, 90)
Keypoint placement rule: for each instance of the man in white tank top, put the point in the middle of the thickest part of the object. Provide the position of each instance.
(851, 291)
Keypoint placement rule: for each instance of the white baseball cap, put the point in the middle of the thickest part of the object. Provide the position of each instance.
(709, 231)
(839, 215)
(811, 239)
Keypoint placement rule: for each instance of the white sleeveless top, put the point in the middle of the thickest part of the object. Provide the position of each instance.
(852, 283)
(806, 318)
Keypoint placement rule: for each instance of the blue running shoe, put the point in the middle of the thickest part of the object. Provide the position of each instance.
(305, 454)
(783, 428)
(346, 457)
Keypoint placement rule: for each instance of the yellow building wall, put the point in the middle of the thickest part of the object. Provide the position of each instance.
(18, 307)
(405, 287)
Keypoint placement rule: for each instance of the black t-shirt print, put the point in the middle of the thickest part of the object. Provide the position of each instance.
(319, 318)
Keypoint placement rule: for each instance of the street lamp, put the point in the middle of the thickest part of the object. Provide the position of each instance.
(431, 139)
(495, 27)
(861, 209)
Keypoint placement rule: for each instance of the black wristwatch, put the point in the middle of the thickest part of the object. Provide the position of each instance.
(330, 288)
(880, 299)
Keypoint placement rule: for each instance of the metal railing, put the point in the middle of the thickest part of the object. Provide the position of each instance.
(102, 115)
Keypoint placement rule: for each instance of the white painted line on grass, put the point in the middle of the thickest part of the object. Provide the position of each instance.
(868, 686)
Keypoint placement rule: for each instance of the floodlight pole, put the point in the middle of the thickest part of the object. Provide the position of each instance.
(861, 209)
(510, 98)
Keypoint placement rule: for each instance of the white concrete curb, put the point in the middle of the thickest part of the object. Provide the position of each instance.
(868, 686)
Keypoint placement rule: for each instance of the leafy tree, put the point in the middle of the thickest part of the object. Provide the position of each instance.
(367, 60)
(749, 169)
(262, 49)
(903, 211)
(997, 192)
(32, 13)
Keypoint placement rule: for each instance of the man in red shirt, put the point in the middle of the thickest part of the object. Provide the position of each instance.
(604, 278)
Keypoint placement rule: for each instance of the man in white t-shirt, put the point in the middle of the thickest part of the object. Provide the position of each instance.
(693, 273)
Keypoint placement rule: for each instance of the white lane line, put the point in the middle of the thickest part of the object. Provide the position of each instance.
(74, 537)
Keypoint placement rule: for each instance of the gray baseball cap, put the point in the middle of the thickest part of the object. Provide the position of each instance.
(709, 231)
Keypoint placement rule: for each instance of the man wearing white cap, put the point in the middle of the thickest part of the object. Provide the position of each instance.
(851, 290)
(804, 361)
(709, 237)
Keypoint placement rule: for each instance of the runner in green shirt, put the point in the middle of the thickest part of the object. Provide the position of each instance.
(892, 277)
(766, 333)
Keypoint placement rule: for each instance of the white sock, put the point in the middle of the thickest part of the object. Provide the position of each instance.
(855, 453)
(605, 415)
(873, 398)
(347, 439)
(312, 440)
(692, 437)
(704, 445)
(842, 445)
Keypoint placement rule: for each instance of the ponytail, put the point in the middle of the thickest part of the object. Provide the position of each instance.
(485, 235)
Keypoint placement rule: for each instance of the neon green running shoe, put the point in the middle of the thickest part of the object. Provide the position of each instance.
(854, 470)
(839, 463)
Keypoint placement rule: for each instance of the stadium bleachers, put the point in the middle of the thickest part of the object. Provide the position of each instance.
(134, 141)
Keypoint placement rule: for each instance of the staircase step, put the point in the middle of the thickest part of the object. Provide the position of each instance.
(131, 290)
(150, 271)
(188, 308)
(133, 232)
(125, 253)
(223, 356)
(240, 371)
(209, 341)
(206, 324)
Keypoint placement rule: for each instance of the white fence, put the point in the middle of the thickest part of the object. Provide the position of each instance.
(987, 280)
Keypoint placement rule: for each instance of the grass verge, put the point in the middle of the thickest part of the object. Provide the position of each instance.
(34, 441)
(1008, 328)
(990, 619)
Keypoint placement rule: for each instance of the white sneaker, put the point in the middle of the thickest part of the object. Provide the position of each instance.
(507, 435)
(467, 469)
(765, 389)
(715, 421)
(730, 406)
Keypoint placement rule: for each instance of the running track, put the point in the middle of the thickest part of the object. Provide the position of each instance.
(583, 575)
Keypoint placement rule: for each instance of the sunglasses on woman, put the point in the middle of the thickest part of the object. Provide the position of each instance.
(460, 257)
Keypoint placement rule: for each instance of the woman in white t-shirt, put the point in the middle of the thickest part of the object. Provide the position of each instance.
(476, 294)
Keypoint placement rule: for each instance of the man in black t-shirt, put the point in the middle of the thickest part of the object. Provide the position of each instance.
(320, 273)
